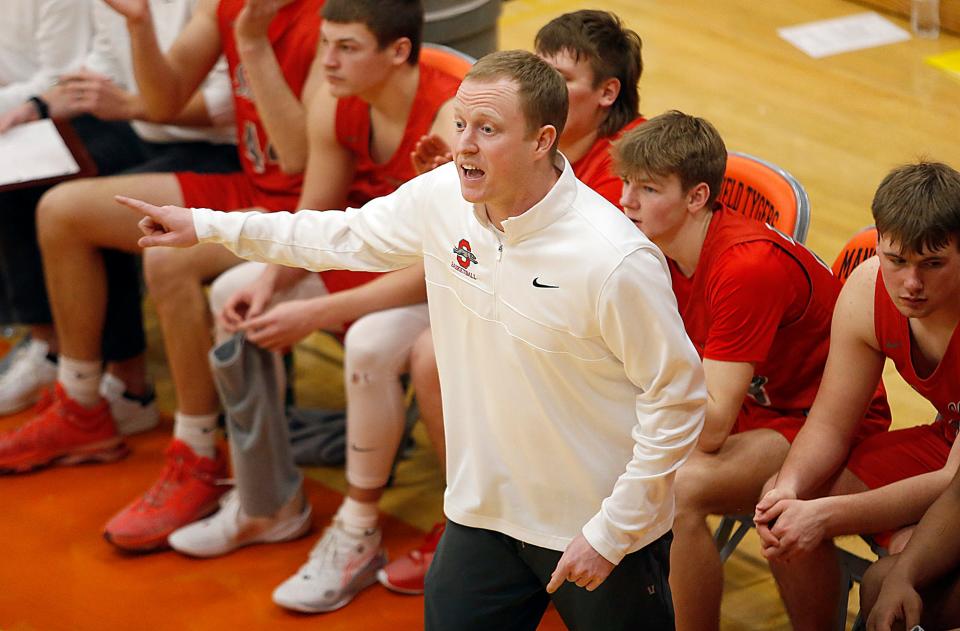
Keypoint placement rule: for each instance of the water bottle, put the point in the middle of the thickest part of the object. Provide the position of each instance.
(925, 18)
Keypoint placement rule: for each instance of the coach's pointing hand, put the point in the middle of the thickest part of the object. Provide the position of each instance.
(170, 226)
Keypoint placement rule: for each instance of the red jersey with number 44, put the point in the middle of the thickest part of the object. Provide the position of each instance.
(293, 34)
(942, 386)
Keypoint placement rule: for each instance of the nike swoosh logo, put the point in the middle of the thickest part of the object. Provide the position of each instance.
(537, 283)
(893, 344)
(362, 450)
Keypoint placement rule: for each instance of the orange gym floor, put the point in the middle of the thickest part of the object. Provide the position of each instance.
(58, 574)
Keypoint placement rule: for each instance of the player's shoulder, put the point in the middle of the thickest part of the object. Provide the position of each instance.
(861, 285)
(854, 311)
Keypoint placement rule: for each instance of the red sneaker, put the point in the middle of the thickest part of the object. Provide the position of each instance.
(62, 432)
(189, 489)
(406, 574)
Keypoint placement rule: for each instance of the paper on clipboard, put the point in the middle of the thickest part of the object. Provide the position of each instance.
(34, 151)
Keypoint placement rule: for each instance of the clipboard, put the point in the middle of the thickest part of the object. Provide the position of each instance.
(42, 153)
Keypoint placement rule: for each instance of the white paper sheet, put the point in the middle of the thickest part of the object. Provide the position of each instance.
(34, 151)
(841, 35)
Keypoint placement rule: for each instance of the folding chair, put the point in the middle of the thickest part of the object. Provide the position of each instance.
(733, 528)
(447, 59)
(763, 191)
(767, 193)
(858, 249)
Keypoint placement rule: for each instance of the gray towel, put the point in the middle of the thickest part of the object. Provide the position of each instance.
(251, 385)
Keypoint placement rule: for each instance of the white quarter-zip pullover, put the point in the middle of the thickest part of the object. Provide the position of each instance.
(571, 393)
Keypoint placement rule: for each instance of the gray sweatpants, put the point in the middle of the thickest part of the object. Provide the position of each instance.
(252, 393)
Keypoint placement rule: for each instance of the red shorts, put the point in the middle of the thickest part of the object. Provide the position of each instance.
(786, 422)
(890, 457)
(339, 279)
(789, 422)
(230, 191)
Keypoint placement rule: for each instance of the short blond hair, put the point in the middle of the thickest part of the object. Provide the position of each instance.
(542, 91)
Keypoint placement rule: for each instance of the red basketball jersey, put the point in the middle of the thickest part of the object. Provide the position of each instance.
(293, 34)
(372, 179)
(788, 376)
(595, 168)
(942, 386)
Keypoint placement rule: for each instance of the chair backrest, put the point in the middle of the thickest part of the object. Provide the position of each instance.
(447, 59)
(858, 249)
(763, 191)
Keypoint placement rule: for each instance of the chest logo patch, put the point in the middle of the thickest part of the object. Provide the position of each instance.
(464, 259)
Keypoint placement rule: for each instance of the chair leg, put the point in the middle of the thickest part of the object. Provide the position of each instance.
(846, 583)
(722, 534)
(852, 568)
(727, 542)
(859, 624)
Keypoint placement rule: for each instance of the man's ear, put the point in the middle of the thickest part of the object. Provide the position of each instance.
(400, 50)
(609, 91)
(698, 196)
(545, 138)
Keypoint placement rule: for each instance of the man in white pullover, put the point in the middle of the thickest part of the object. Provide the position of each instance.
(571, 390)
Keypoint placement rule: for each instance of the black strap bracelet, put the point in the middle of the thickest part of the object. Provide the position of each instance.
(43, 110)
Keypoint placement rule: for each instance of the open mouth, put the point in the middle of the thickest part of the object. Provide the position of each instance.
(471, 173)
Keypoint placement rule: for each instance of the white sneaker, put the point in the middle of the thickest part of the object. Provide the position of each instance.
(340, 565)
(28, 373)
(230, 528)
(130, 415)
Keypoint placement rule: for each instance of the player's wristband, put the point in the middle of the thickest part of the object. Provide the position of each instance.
(43, 110)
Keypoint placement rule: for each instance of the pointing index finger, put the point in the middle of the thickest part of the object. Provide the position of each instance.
(136, 204)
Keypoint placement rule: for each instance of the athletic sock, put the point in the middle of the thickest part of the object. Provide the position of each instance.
(80, 379)
(358, 518)
(198, 431)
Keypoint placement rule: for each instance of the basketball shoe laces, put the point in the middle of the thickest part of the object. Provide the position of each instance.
(38, 428)
(333, 553)
(177, 471)
(174, 474)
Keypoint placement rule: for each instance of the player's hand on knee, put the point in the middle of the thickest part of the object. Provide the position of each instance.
(234, 311)
(768, 541)
(170, 226)
(898, 602)
(801, 526)
(281, 327)
(247, 302)
(764, 511)
(580, 564)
